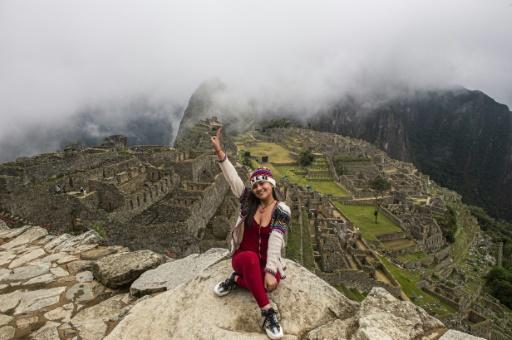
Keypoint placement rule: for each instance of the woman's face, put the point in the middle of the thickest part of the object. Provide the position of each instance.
(262, 190)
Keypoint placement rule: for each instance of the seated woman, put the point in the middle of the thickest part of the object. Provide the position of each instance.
(256, 239)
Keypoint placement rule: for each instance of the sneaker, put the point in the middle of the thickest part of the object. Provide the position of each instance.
(224, 287)
(271, 324)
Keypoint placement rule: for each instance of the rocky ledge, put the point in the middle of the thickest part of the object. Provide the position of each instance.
(75, 287)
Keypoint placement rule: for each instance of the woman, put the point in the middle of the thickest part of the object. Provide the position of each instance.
(256, 239)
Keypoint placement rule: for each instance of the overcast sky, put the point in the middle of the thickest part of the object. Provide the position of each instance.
(57, 57)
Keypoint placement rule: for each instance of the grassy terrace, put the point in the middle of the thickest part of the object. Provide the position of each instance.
(408, 279)
(293, 244)
(309, 259)
(362, 217)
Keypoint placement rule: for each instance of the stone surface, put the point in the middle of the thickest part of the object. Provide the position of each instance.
(71, 244)
(5, 319)
(97, 253)
(304, 301)
(383, 316)
(337, 329)
(26, 322)
(7, 332)
(10, 233)
(57, 241)
(37, 299)
(66, 259)
(80, 265)
(49, 331)
(117, 270)
(21, 260)
(10, 300)
(81, 292)
(59, 272)
(62, 314)
(31, 234)
(25, 272)
(84, 276)
(456, 335)
(170, 274)
(6, 257)
(45, 278)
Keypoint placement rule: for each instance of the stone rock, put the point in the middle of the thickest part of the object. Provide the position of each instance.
(382, 316)
(62, 314)
(25, 272)
(82, 248)
(80, 265)
(37, 299)
(66, 259)
(45, 240)
(11, 233)
(7, 332)
(98, 253)
(456, 335)
(5, 319)
(57, 241)
(304, 302)
(10, 300)
(45, 278)
(6, 257)
(90, 322)
(3, 286)
(59, 272)
(117, 270)
(84, 276)
(49, 331)
(31, 234)
(53, 257)
(220, 227)
(337, 329)
(26, 322)
(3, 225)
(81, 292)
(170, 274)
(21, 260)
(71, 244)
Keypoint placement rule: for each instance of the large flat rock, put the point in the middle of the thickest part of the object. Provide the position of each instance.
(171, 274)
(34, 300)
(456, 335)
(29, 235)
(121, 269)
(193, 311)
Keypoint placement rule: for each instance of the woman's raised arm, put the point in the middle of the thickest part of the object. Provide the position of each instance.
(235, 182)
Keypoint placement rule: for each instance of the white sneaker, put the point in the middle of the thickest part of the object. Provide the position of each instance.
(224, 287)
(271, 324)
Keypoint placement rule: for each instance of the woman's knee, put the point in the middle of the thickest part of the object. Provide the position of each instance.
(247, 258)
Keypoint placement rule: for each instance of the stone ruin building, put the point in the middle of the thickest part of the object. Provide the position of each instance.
(168, 199)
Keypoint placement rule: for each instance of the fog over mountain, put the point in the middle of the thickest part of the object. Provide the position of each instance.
(61, 61)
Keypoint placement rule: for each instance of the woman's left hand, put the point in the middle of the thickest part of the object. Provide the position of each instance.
(270, 282)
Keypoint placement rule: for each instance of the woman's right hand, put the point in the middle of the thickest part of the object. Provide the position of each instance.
(216, 140)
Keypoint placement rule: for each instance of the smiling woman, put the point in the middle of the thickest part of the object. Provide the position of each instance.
(257, 239)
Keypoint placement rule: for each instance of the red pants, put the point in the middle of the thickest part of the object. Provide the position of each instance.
(252, 275)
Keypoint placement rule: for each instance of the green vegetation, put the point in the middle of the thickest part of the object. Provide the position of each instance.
(97, 227)
(412, 257)
(499, 281)
(293, 242)
(448, 224)
(408, 280)
(306, 158)
(362, 217)
(275, 152)
(379, 185)
(351, 293)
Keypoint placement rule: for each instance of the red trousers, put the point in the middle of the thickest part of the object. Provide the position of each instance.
(252, 274)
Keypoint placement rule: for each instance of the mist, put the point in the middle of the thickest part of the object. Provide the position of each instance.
(61, 61)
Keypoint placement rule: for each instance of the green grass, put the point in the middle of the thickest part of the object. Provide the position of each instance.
(412, 257)
(362, 217)
(351, 293)
(293, 242)
(275, 152)
(398, 244)
(408, 280)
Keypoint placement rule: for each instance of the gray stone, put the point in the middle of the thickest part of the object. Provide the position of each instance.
(117, 270)
(45, 278)
(49, 331)
(7, 332)
(91, 329)
(98, 253)
(170, 274)
(53, 257)
(26, 322)
(45, 240)
(66, 259)
(84, 276)
(303, 299)
(28, 236)
(5, 319)
(34, 300)
(80, 265)
(57, 241)
(456, 335)
(335, 330)
(383, 316)
(10, 233)
(6, 257)
(25, 272)
(59, 272)
(10, 300)
(71, 244)
(81, 292)
(62, 314)
(21, 260)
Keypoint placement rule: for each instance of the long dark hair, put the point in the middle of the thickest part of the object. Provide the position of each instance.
(252, 205)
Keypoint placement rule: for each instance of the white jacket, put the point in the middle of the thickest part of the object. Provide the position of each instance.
(279, 221)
